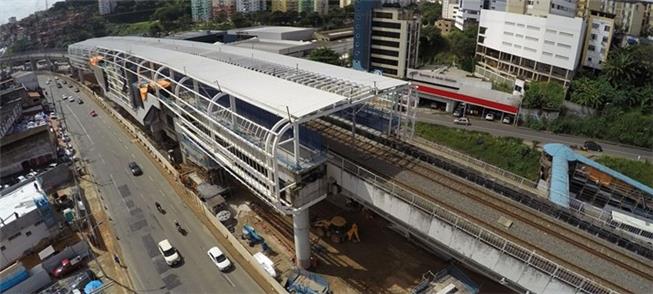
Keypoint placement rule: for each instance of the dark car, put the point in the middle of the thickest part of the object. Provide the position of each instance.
(135, 169)
(592, 146)
(67, 266)
(80, 101)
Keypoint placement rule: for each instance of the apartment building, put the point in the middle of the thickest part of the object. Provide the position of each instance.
(106, 6)
(542, 8)
(630, 16)
(516, 46)
(319, 6)
(469, 11)
(248, 6)
(201, 10)
(224, 8)
(284, 5)
(598, 39)
(391, 37)
(449, 9)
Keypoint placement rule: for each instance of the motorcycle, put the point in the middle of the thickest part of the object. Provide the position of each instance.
(159, 208)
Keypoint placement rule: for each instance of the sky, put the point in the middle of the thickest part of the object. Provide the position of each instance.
(21, 8)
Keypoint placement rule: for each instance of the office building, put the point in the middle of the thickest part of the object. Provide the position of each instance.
(284, 5)
(12, 19)
(598, 39)
(516, 46)
(201, 10)
(449, 9)
(542, 8)
(390, 39)
(106, 6)
(248, 6)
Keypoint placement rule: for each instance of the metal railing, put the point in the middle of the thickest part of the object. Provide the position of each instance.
(554, 270)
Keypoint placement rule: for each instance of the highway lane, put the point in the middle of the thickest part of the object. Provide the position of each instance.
(130, 201)
(497, 128)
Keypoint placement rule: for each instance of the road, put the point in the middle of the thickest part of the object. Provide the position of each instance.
(497, 128)
(130, 201)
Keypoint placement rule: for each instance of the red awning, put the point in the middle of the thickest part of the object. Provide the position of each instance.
(467, 99)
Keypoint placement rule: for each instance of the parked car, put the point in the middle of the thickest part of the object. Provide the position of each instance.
(71, 99)
(170, 254)
(77, 90)
(507, 120)
(462, 121)
(135, 169)
(489, 116)
(80, 101)
(67, 266)
(65, 82)
(592, 146)
(93, 113)
(219, 259)
(458, 113)
(64, 97)
(80, 280)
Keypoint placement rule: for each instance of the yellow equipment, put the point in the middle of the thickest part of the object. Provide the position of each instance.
(353, 233)
(333, 228)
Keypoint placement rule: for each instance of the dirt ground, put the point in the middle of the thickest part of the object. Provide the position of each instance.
(383, 262)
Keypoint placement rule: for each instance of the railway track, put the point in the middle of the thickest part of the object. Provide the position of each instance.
(582, 240)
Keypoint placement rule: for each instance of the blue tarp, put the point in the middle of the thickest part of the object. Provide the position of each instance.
(92, 286)
(562, 155)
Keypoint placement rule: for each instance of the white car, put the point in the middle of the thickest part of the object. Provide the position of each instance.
(507, 120)
(71, 99)
(170, 254)
(489, 116)
(219, 259)
(461, 121)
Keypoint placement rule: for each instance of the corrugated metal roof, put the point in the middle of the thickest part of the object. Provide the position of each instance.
(562, 155)
(275, 91)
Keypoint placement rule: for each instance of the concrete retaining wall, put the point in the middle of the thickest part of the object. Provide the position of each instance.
(460, 244)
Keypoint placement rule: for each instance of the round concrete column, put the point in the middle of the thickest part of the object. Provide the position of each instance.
(301, 227)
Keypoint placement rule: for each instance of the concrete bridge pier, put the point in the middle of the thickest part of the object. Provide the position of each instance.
(301, 228)
(33, 65)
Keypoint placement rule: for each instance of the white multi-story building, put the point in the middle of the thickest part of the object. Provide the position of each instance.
(516, 46)
(468, 11)
(247, 6)
(394, 41)
(449, 9)
(25, 219)
(598, 38)
(106, 6)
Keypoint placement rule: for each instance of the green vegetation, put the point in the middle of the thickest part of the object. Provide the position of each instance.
(544, 95)
(507, 153)
(325, 55)
(503, 87)
(638, 170)
(622, 95)
(137, 28)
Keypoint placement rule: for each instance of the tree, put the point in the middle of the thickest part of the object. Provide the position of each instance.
(430, 44)
(325, 55)
(544, 95)
(463, 46)
(621, 67)
(430, 12)
(592, 92)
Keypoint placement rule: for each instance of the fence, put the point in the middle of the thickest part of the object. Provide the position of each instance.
(554, 270)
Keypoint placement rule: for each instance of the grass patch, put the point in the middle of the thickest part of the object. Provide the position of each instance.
(507, 153)
(137, 28)
(638, 170)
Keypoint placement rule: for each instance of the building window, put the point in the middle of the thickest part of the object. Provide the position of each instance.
(589, 59)
(591, 48)
(390, 25)
(533, 28)
(605, 39)
(504, 43)
(531, 38)
(385, 43)
(595, 25)
(593, 36)
(481, 30)
(383, 15)
(551, 31)
(564, 45)
(606, 28)
(14, 236)
(566, 34)
(508, 33)
(549, 42)
(547, 53)
(384, 52)
(509, 23)
(481, 39)
(386, 34)
(384, 61)
(530, 49)
(562, 57)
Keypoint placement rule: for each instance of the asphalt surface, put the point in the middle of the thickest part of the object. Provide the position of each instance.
(129, 200)
(497, 128)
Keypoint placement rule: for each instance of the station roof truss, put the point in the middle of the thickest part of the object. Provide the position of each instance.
(199, 76)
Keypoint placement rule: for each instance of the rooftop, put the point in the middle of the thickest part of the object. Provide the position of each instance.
(271, 29)
(19, 201)
(275, 46)
(279, 84)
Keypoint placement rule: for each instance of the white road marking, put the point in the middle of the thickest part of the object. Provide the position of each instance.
(150, 177)
(102, 158)
(134, 157)
(229, 280)
(80, 124)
